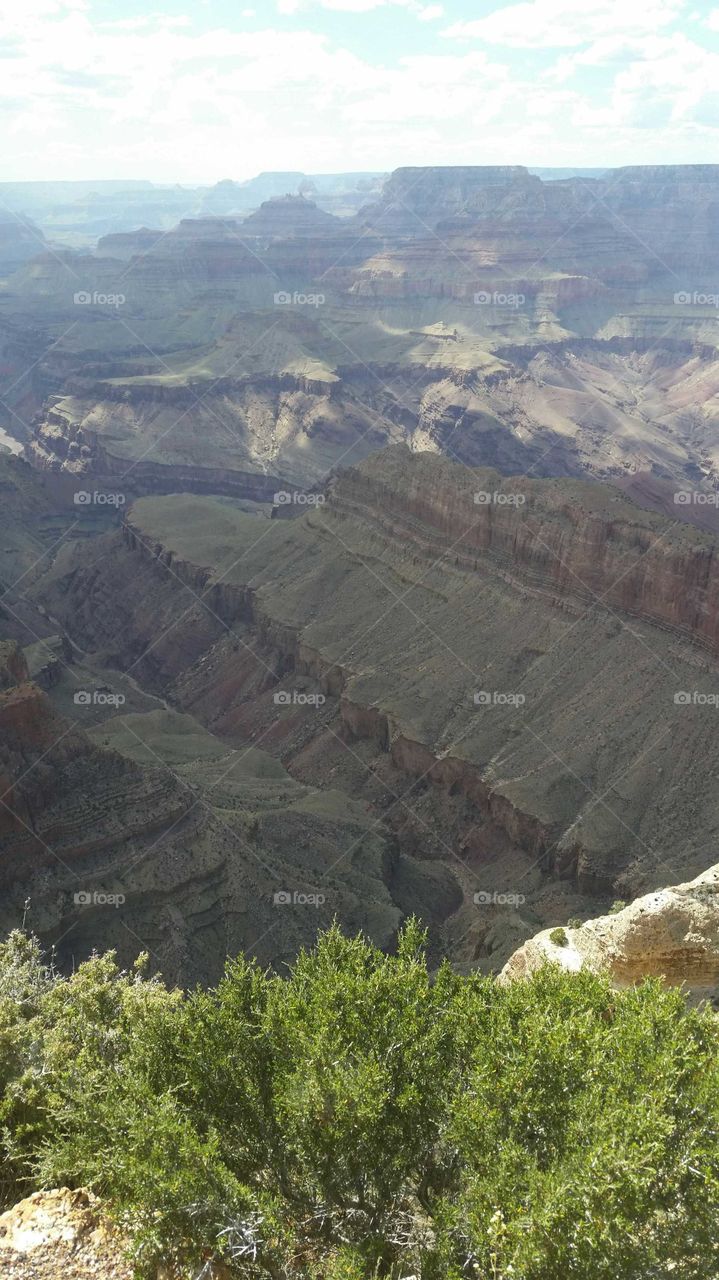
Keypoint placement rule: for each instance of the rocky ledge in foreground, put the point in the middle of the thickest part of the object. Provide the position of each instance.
(65, 1235)
(672, 934)
(60, 1235)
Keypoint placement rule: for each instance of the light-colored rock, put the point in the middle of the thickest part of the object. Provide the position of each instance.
(672, 933)
(64, 1235)
(60, 1235)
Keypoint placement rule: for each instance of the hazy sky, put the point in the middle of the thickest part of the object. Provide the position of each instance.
(212, 89)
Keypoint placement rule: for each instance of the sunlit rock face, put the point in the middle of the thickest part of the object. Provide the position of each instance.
(672, 933)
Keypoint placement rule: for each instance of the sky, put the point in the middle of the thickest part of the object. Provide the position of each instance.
(194, 92)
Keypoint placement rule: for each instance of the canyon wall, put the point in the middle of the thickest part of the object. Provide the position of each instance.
(533, 673)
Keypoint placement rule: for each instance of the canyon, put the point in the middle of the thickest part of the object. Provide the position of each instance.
(434, 643)
(554, 326)
(375, 525)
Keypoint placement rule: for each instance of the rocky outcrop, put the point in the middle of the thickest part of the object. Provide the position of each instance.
(288, 217)
(415, 199)
(245, 438)
(667, 212)
(671, 934)
(61, 1233)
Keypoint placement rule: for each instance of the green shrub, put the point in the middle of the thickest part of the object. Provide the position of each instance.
(559, 937)
(364, 1118)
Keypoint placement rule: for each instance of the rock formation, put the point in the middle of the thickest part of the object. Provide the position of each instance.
(672, 933)
(61, 1233)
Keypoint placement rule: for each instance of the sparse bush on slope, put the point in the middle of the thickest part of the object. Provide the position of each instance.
(363, 1118)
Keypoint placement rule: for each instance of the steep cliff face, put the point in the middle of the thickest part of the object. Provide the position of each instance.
(520, 686)
(567, 539)
(659, 217)
(127, 244)
(413, 198)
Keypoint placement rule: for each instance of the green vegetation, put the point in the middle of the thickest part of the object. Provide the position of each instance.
(362, 1118)
(559, 937)
(618, 905)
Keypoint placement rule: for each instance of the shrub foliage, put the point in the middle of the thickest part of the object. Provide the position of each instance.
(361, 1117)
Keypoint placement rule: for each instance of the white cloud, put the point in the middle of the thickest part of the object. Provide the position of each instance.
(163, 99)
(425, 13)
(566, 23)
